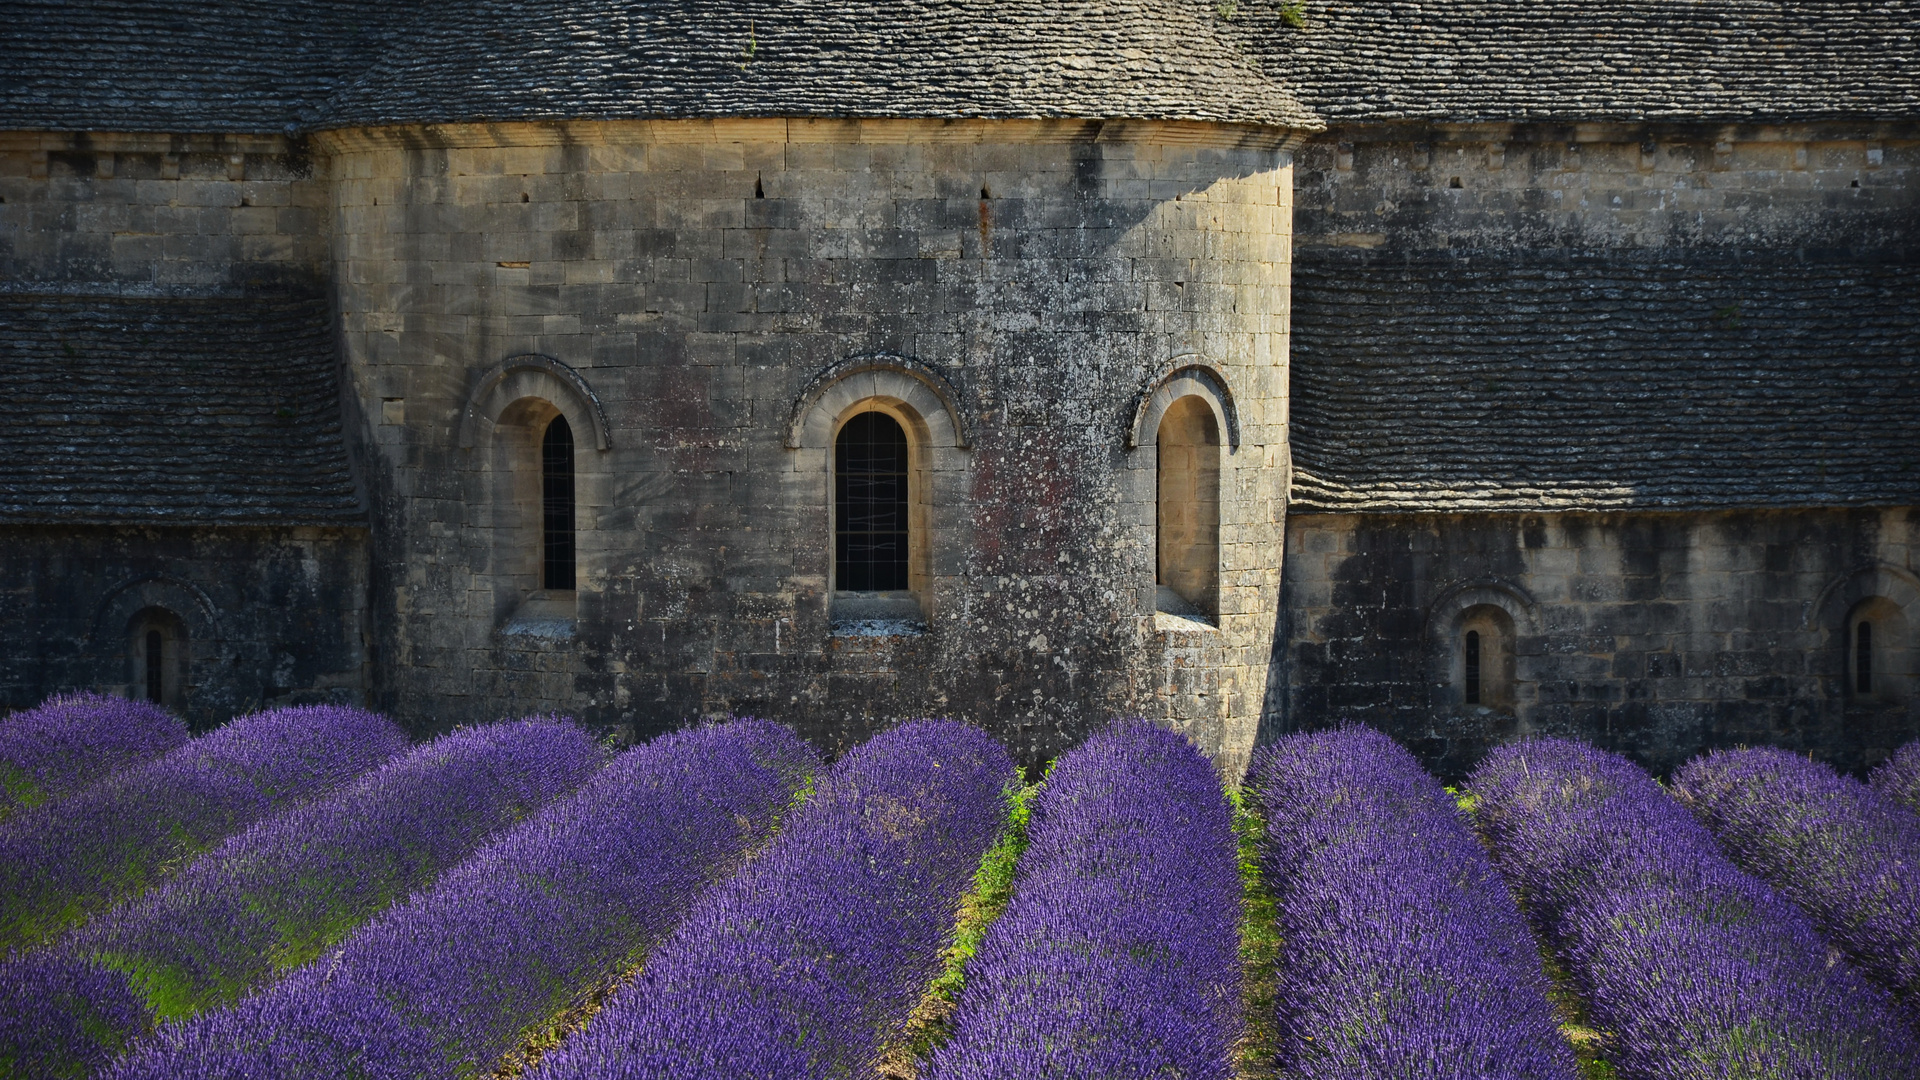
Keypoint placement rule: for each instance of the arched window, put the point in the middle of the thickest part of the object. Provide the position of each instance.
(1879, 665)
(1473, 667)
(1187, 520)
(871, 505)
(1484, 664)
(156, 667)
(158, 644)
(1863, 657)
(556, 506)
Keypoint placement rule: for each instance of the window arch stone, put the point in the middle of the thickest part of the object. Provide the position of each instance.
(189, 624)
(511, 409)
(1499, 615)
(925, 405)
(1194, 600)
(1888, 600)
(1185, 376)
(531, 375)
(822, 405)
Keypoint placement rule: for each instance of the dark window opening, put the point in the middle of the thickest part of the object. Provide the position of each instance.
(156, 668)
(1863, 658)
(870, 505)
(1473, 667)
(556, 505)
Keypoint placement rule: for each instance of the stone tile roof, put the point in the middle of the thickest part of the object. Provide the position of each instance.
(161, 410)
(1631, 60)
(180, 66)
(231, 65)
(1623, 380)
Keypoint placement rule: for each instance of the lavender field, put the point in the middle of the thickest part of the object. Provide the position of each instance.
(302, 894)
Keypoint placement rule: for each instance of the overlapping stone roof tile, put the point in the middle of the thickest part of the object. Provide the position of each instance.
(1627, 60)
(1602, 381)
(233, 65)
(181, 66)
(161, 410)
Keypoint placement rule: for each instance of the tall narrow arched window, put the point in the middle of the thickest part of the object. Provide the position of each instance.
(556, 506)
(1483, 658)
(1187, 518)
(871, 505)
(159, 647)
(1473, 667)
(1863, 657)
(156, 668)
(1880, 660)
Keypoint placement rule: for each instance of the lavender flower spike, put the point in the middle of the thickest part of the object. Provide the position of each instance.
(1404, 953)
(807, 961)
(272, 897)
(72, 740)
(443, 984)
(1697, 970)
(1898, 778)
(1848, 857)
(60, 863)
(1118, 956)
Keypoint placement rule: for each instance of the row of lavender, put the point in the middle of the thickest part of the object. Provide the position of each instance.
(807, 963)
(72, 740)
(798, 963)
(1404, 948)
(1846, 853)
(275, 895)
(1403, 954)
(1695, 968)
(63, 861)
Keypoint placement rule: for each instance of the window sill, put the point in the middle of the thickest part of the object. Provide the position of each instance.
(874, 628)
(877, 614)
(547, 616)
(1173, 615)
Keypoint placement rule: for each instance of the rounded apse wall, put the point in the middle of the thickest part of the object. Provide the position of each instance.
(730, 294)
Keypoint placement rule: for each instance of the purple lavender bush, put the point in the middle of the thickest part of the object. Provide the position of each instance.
(805, 963)
(1118, 956)
(1898, 777)
(60, 863)
(446, 982)
(1696, 970)
(72, 740)
(273, 897)
(1847, 856)
(1403, 952)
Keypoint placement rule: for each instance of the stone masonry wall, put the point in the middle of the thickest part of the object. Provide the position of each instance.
(271, 616)
(1820, 188)
(1658, 635)
(159, 212)
(697, 276)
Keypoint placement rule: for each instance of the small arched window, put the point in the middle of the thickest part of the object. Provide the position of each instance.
(1863, 657)
(1484, 658)
(159, 648)
(1473, 667)
(871, 505)
(556, 506)
(156, 667)
(1187, 518)
(1879, 663)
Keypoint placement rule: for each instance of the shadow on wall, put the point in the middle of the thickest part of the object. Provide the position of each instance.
(1655, 635)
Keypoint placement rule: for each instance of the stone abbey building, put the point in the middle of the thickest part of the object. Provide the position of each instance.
(1471, 369)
